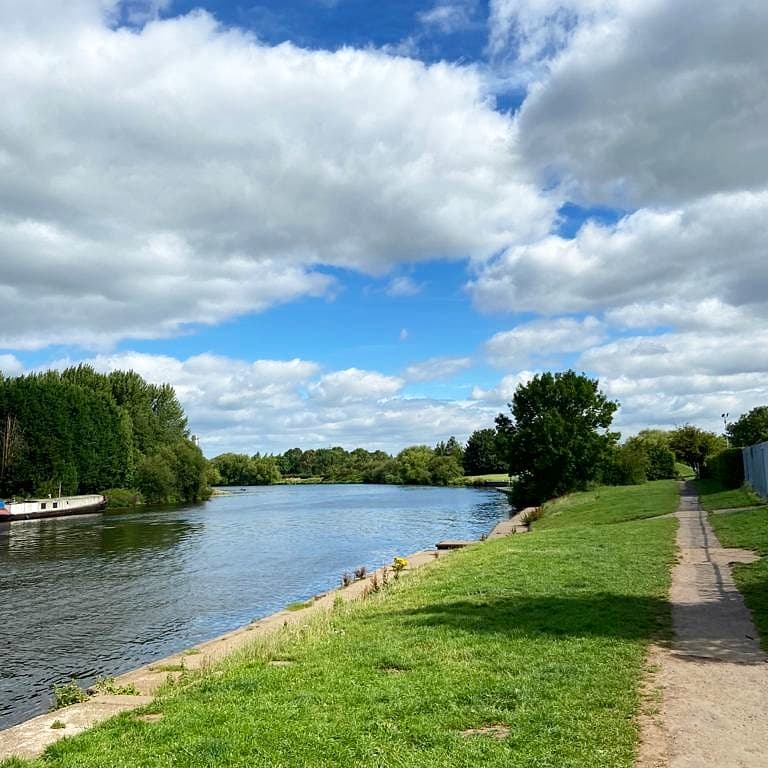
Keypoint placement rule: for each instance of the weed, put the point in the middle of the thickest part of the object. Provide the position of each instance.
(58, 725)
(360, 573)
(346, 579)
(108, 685)
(65, 694)
(298, 606)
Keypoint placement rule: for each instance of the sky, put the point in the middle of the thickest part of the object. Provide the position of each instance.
(357, 223)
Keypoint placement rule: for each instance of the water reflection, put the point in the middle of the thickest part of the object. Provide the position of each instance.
(103, 594)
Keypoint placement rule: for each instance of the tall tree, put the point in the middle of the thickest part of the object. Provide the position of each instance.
(558, 436)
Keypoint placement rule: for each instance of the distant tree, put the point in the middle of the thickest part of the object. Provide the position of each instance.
(558, 437)
(480, 455)
(452, 447)
(414, 465)
(692, 446)
(660, 459)
(750, 428)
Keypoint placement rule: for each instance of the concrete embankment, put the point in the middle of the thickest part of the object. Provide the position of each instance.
(29, 739)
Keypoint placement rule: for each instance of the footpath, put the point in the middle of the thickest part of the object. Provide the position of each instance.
(713, 679)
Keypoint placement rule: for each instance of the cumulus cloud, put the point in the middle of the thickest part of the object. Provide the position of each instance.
(503, 393)
(650, 258)
(273, 405)
(651, 102)
(543, 340)
(183, 172)
(436, 368)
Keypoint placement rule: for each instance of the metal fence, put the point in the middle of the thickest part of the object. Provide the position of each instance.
(756, 467)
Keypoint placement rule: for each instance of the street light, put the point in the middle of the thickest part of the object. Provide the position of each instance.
(724, 417)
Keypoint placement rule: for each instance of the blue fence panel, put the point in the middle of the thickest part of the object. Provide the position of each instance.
(756, 467)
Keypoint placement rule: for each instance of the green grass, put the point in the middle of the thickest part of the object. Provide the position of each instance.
(714, 496)
(749, 530)
(495, 477)
(684, 472)
(544, 633)
(610, 504)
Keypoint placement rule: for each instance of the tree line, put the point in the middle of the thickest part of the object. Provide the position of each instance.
(80, 431)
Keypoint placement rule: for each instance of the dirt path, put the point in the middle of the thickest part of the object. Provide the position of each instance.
(713, 680)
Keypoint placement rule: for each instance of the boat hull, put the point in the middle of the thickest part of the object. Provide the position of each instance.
(62, 506)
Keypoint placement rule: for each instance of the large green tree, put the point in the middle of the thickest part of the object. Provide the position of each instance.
(558, 438)
(693, 446)
(750, 428)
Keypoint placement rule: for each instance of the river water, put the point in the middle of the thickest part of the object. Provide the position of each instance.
(98, 595)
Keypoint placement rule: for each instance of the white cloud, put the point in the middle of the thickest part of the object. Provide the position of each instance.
(543, 340)
(273, 405)
(354, 384)
(436, 368)
(185, 173)
(653, 102)
(449, 17)
(10, 365)
(500, 395)
(658, 258)
(403, 286)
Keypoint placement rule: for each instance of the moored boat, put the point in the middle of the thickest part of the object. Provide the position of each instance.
(59, 506)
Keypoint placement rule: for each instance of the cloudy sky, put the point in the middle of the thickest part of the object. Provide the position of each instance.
(347, 222)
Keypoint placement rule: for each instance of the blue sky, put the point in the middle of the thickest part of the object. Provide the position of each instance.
(357, 223)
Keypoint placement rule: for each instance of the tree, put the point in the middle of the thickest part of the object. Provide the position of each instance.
(750, 428)
(692, 446)
(660, 459)
(450, 448)
(481, 456)
(558, 438)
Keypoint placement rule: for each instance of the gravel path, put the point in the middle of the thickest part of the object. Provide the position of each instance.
(713, 680)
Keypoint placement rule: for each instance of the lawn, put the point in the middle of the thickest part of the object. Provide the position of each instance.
(714, 496)
(610, 504)
(749, 530)
(525, 651)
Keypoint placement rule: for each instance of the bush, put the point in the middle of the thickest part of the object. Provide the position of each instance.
(727, 467)
(123, 498)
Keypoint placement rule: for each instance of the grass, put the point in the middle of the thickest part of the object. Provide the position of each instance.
(684, 472)
(714, 496)
(543, 634)
(610, 504)
(749, 530)
(495, 477)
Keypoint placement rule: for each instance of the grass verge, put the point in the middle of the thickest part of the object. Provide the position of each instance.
(749, 530)
(539, 639)
(714, 496)
(610, 504)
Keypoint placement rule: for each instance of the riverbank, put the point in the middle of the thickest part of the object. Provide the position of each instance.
(525, 650)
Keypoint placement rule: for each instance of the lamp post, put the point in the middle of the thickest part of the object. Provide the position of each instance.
(724, 417)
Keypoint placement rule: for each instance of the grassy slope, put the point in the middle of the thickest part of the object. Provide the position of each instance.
(610, 504)
(749, 530)
(544, 633)
(714, 496)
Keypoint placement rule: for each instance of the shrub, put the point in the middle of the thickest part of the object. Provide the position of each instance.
(727, 467)
(123, 498)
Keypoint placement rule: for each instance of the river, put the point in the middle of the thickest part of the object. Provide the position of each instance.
(97, 595)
